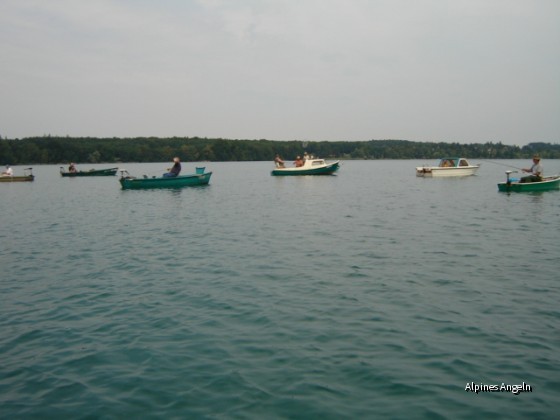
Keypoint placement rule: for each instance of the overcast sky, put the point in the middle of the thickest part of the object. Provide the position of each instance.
(465, 71)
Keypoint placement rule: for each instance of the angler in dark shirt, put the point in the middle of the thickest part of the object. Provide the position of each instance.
(175, 170)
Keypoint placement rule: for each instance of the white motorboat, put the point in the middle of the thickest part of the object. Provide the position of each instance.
(447, 167)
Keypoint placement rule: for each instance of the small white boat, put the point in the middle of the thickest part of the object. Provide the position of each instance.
(453, 166)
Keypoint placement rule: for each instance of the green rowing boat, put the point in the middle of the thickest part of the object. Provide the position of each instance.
(515, 185)
(91, 172)
(190, 180)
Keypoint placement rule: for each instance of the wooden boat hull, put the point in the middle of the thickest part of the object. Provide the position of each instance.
(27, 178)
(93, 172)
(548, 184)
(192, 180)
(328, 169)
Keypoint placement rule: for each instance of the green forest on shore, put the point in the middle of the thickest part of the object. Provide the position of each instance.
(55, 150)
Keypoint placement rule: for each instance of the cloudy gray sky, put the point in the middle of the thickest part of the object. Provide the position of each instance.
(424, 70)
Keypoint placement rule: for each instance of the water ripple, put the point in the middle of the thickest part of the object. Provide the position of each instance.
(245, 300)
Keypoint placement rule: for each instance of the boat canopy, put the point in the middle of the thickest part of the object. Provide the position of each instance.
(453, 162)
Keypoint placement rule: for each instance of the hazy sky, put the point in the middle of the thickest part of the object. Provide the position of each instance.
(424, 70)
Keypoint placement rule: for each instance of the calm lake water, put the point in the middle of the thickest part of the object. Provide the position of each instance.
(371, 293)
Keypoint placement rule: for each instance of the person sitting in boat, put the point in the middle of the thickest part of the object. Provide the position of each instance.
(72, 168)
(279, 162)
(175, 170)
(447, 163)
(299, 162)
(536, 171)
(8, 172)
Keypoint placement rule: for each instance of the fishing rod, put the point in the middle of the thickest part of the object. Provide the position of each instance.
(501, 164)
(151, 174)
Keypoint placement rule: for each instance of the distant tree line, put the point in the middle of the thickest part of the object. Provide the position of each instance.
(56, 150)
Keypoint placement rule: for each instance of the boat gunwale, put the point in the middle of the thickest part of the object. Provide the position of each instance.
(17, 178)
